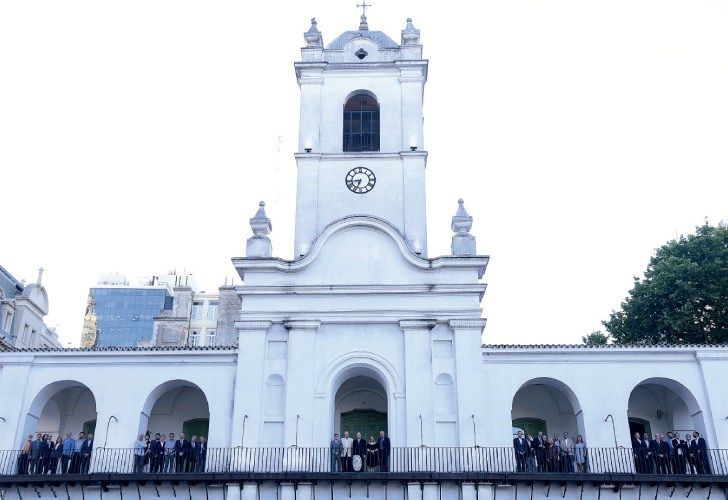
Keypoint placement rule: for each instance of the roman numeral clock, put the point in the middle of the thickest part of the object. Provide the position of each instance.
(360, 180)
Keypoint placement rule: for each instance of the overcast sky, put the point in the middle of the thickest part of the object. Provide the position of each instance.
(138, 137)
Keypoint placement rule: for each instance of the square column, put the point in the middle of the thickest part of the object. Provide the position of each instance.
(300, 383)
(248, 398)
(418, 382)
(468, 362)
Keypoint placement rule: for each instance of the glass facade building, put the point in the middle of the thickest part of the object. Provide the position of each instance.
(125, 315)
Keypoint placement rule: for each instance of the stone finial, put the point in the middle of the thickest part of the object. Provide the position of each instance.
(463, 243)
(363, 25)
(40, 274)
(410, 34)
(260, 223)
(259, 244)
(313, 37)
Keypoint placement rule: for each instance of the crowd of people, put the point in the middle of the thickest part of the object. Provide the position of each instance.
(544, 454)
(358, 455)
(169, 455)
(44, 455)
(670, 454)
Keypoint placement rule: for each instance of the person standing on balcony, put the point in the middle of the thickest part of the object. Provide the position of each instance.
(531, 455)
(335, 451)
(24, 455)
(169, 454)
(140, 449)
(699, 449)
(580, 454)
(86, 450)
(69, 445)
(192, 459)
(680, 454)
(76, 457)
(638, 453)
(385, 448)
(539, 449)
(56, 455)
(567, 446)
(156, 452)
(649, 456)
(360, 450)
(200, 453)
(347, 451)
(661, 451)
(553, 451)
(35, 454)
(372, 455)
(520, 445)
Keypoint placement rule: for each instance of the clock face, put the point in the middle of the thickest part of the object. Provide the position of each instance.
(360, 180)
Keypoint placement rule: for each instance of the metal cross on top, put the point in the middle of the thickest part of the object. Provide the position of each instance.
(364, 6)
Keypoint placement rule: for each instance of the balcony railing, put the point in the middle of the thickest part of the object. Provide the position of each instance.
(399, 460)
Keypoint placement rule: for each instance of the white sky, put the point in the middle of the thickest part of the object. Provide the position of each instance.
(139, 136)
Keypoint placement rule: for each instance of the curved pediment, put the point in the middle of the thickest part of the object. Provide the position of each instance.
(362, 249)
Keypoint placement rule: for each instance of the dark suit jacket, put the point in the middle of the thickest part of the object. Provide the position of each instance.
(360, 447)
(384, 445)
(156, 448)
(200, 450)
(696, 445)
(520, 445)
(660, 448)
(86, 447)
(186, 447)
(537, 445)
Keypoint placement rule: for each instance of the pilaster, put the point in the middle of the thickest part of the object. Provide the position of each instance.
(248, 396)
(468, 361)
(300, 384)
(418, 381)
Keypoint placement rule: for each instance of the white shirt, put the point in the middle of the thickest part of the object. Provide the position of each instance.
(347, 445)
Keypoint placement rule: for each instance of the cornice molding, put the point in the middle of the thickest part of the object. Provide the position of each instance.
(253, 326)
(411, 325)
(477, 324)
(301, 324)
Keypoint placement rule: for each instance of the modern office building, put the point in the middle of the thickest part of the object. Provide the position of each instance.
(122, 315)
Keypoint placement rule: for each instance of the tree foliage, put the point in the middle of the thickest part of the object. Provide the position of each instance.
(683, 296)
(595, 338)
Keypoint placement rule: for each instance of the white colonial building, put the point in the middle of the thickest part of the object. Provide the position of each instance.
(363, 331)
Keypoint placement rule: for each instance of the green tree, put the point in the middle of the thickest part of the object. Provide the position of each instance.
(683, 296)
(595, 338)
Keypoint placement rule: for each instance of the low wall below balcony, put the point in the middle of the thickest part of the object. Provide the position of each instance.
(363, 489)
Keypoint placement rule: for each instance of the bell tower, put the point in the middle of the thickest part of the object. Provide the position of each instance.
(360, 148)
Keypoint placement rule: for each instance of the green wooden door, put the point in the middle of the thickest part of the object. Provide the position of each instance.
(196, 427)
(89, 427)
(368, 422)
(531, 426)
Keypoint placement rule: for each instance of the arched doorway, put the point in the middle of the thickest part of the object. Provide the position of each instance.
(546, 405)
(177, 406)
(360, 405)
(62, 407)
(660, 405)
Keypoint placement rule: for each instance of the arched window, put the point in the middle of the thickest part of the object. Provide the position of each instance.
(361, 123)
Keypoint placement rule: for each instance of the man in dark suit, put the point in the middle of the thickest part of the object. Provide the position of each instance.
(649, 456)
(539, 449)
(86, 449)
(156, 452)
(699, 450)
(521, 447)
(360, 449)
(661, 453)
(384, 450)
(200, 452)
(183, 448)
(36, 454)
(638, 453)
